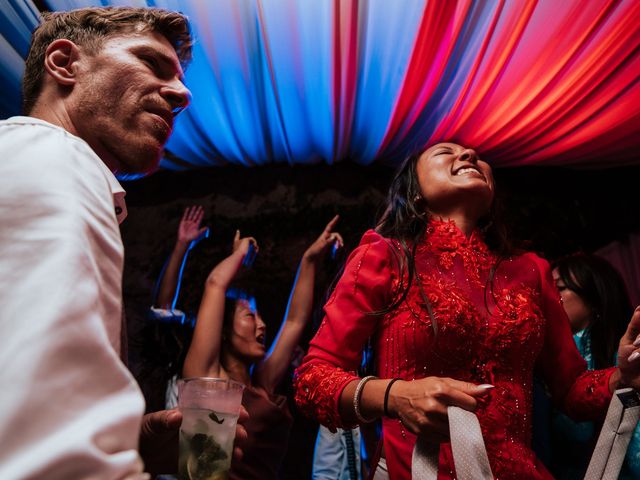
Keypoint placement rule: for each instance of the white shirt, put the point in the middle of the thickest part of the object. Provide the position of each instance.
(69, 408)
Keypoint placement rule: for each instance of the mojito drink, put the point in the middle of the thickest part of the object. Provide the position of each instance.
(206, 444)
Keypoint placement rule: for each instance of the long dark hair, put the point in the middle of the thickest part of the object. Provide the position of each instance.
(405, 219)
(602, 289)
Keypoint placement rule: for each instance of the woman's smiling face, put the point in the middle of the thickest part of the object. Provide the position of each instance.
(448, 173)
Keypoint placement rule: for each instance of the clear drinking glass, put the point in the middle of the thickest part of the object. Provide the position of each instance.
(210, 408)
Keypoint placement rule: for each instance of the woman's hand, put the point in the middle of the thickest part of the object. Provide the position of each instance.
(327, 238)
(629, 353)
(189, 229)
(223, 273)
(241, 246)
(422, 404)
(189, 234)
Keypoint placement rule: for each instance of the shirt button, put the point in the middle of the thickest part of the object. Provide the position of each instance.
(118, 210)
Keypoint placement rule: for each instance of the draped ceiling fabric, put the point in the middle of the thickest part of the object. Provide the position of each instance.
(299, 81)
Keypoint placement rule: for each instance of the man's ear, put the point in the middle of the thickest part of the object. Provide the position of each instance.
(60, 61)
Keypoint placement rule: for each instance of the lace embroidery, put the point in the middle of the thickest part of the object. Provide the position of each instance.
(447, 241)
(316, 385)
(591, 396)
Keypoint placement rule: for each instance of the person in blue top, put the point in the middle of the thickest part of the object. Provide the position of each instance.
(595, 299)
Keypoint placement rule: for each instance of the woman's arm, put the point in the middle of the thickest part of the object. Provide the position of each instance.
(203, 357)
(270, 372)
(189, 233)
(420, 404)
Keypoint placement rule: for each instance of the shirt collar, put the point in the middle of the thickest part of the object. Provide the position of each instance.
(118, 193)
(444, 235)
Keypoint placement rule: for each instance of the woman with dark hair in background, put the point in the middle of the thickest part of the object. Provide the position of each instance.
(598, 308)
(456, 317)
(229, 342)
(595, 298)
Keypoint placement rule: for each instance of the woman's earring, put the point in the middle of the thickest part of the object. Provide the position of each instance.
(418, 202)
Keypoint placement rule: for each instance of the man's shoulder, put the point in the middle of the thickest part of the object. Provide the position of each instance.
(32, 124)
(35, 148)
(47, 167)
(34, 135)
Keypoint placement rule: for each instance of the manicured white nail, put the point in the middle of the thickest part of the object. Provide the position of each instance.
(637, 342)
(486, 386)
(633, 356)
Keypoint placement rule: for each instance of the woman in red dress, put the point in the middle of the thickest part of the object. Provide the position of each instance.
(457, 318)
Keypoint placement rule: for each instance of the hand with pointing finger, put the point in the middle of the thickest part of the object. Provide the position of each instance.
(326, 239)
(248, 246)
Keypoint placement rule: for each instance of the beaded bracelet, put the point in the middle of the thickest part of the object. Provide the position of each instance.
(356, 399)
(386, 397)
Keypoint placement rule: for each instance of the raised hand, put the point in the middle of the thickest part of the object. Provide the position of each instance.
(189, 233)
(326, 239)
(189, 229)
(244, 244)
(629, 353)
(223, 273)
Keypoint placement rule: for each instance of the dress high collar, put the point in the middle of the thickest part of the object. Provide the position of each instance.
(444, 235)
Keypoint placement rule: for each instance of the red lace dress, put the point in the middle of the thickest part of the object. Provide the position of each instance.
(496, 335)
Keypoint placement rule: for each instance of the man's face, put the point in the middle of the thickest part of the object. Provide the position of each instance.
(125, 99)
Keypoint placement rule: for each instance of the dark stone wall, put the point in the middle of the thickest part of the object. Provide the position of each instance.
(552, 210)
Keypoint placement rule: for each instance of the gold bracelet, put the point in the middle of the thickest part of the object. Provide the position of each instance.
(356, 399)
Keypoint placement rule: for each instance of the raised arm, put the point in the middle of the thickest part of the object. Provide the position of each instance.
(189, 233)
(270, 372)
(203, 357)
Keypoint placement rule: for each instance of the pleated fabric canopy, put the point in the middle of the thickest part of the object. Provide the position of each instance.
(305, 81)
